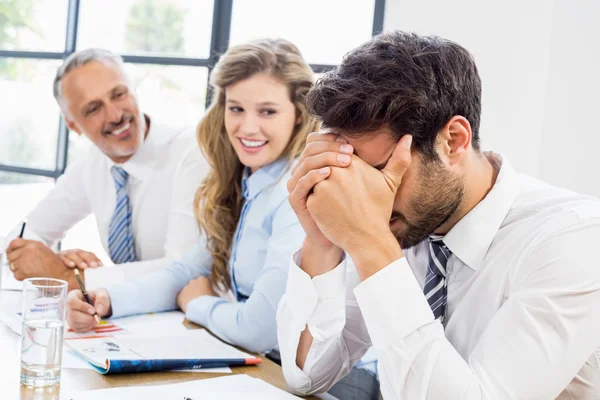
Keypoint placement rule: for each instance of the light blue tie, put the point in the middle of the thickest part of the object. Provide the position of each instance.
(120, 238)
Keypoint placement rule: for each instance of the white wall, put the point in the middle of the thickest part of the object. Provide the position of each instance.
(528, 84)
(571, 141)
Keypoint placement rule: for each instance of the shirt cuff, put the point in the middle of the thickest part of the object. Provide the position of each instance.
(96, 278)
(392, 304)
(200, 308)
(318, 302)
(124, 299)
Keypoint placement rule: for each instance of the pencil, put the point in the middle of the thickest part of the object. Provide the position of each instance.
(23, 228)
(85, 294)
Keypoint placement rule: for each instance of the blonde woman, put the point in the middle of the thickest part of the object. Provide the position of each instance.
(253, 130)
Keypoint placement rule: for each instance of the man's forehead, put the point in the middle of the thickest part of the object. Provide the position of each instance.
(92, 77)
(374, 147)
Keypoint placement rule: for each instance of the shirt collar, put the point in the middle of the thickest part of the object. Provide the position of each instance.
(142, 164)
(471, 237)
(254, 183)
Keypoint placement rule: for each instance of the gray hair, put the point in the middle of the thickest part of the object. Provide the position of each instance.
(77, 60)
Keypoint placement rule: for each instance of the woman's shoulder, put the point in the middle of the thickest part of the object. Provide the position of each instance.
(278, 189)
(276, 193)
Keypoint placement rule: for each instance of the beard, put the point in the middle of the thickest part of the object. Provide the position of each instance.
(437, 196)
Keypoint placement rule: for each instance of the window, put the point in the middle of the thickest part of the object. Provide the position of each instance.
(175, 28)
(19, 193)
(323, 30)
(167, 92)
(169, 47)
(33, 25)
(29, 115)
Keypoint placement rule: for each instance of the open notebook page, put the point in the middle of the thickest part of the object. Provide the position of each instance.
(194, 344)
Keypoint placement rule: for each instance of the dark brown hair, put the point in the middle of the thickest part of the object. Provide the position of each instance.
(413, 84)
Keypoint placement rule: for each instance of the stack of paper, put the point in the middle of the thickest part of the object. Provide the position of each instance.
(224, 388)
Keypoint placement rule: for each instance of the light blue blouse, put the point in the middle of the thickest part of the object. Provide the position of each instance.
(267, 235)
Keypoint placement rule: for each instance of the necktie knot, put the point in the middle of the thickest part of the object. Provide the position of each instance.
(119, 176)
(438, 255)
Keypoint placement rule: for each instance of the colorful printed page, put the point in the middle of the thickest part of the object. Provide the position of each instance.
(106, 328)
(154, 324)
(223, 388)
(194, 349)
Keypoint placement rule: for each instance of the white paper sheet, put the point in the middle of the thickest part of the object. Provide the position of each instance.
(12, 319)
(222, 388)
(222, 370)
(192, 344)
(7, 279)
(154, 324)
(72, 360)
(196, 343)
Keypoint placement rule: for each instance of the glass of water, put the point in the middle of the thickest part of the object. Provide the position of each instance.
(44, 305)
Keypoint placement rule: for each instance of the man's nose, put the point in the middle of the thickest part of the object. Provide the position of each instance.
(113, 114)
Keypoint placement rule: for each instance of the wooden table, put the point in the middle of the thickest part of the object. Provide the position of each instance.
(80, 379)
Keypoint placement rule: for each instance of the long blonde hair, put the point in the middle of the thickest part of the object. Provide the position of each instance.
(219, 200)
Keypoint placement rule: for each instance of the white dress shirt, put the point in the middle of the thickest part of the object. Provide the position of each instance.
(164, 174)
(523, 313)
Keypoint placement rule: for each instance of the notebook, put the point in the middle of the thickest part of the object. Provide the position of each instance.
(195, 349)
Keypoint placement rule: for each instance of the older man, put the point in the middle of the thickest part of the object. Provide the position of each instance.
(138, 180)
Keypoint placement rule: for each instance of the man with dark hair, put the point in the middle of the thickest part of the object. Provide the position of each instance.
(470, 280)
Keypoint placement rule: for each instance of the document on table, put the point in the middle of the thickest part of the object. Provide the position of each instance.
(151, 324)
(194, 349)
(13, 318)
(223, 388)
(7, 279)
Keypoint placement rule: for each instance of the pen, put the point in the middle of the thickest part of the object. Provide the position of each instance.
(23, 228)
(12, 266)
(85, 294)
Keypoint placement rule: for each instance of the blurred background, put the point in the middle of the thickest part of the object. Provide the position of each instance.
(538, 60)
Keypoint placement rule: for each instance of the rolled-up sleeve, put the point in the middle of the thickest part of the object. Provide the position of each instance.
(327, 306)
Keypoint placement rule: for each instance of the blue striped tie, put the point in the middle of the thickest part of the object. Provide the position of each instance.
(120, 238)
(435, 288)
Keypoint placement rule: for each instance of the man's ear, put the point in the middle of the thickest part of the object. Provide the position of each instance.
(73, 126)
(455, 138)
